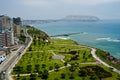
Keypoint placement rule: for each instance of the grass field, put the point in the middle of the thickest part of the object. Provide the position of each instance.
(38, 61)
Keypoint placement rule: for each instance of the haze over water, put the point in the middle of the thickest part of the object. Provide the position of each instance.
(104, 34)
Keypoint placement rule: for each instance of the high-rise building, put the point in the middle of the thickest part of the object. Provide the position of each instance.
(2, 39)
(6, 23)
(6, 38)
(17, 24)
(16, 30)
(6, 31)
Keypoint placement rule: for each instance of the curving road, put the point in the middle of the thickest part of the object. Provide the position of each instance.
(93, 52)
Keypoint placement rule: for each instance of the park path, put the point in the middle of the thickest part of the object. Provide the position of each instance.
(93, 52)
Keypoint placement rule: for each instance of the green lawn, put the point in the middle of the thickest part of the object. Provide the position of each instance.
(38, 59)
(86, 72)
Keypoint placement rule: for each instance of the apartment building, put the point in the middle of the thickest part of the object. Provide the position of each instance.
(6, 23)
(6, 31)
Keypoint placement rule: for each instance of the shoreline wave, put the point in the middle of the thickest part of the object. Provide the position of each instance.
(64, 38)
(108, 39)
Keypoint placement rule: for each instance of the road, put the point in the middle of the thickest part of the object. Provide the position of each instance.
(8, 65)
(98, 59)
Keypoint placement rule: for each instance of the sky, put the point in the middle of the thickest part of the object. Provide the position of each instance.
(57, 9)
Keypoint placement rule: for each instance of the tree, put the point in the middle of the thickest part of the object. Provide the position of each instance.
(118, 77)
(32, 76)
(56, 66)
(30, 48)
(18, 69)
(39, 73)
(50, 68)
(18, 77)
(72, 67)
(37, 67)
(45, 74)
(93, 77)
(56, 79)
(82, 72)
(71, 76)
(43, 65)
(65, 63)
(62, 76)
(24, 78)
(29, 68)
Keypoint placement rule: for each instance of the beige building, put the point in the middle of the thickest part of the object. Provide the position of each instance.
(16, 30)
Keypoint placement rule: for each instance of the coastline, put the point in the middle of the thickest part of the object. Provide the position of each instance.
(108, 56)
(93, 52)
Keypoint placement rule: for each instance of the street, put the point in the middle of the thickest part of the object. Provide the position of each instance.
(8, 64)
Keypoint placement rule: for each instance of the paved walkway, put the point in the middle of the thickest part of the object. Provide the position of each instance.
(93, 52)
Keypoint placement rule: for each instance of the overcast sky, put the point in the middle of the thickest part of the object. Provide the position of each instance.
(55, 9)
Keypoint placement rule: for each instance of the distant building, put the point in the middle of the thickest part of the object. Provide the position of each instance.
(17, 21)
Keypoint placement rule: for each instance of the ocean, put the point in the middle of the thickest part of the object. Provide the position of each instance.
(103, 34)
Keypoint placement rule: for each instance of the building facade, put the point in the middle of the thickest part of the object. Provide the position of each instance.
(16, 30)
(6, 38)
(6, 23)
(6, 31)
(17, 21)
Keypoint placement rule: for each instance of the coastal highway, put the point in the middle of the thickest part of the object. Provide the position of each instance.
(29, 40)
(7, 66)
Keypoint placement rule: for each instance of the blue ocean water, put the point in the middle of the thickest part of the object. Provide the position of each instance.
(104, 34)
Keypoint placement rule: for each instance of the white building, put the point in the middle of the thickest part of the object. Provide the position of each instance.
(2, 56)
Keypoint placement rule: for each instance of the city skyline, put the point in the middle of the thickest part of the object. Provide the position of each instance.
(57, 9)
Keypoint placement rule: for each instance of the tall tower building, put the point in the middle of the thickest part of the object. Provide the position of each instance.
(6, 31)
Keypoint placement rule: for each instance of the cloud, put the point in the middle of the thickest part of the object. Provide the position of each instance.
(42, 3)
